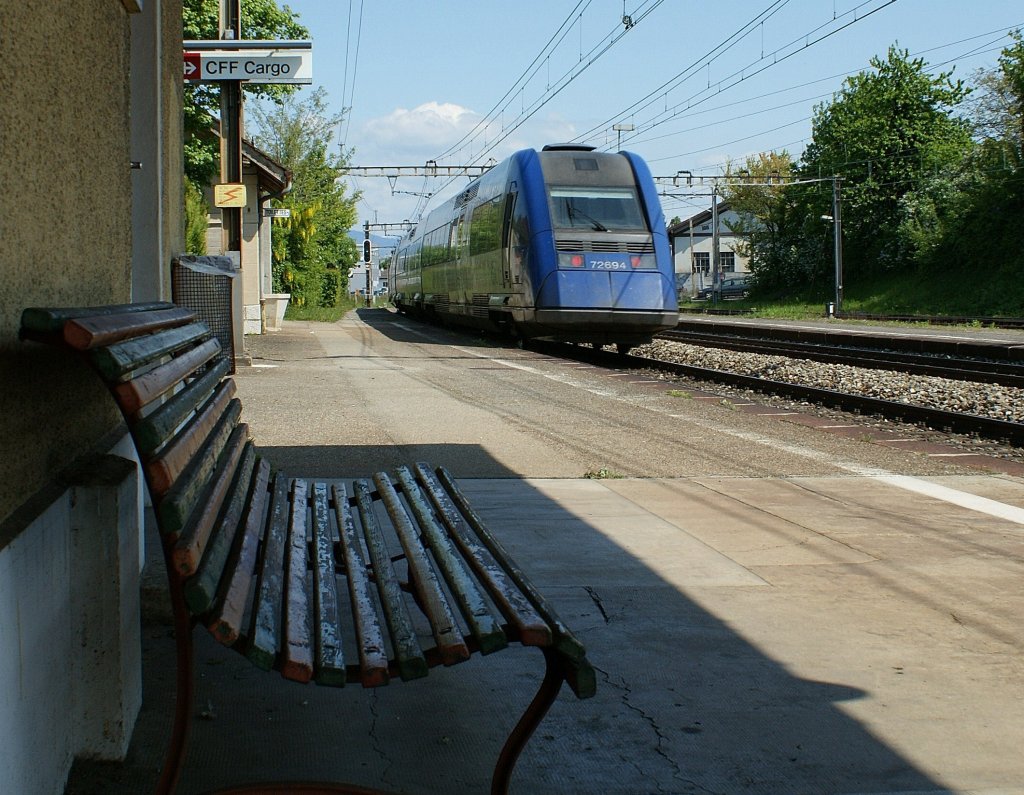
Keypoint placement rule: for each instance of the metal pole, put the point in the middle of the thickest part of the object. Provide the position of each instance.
(366, 247)
(716, 278)
(693, 269)
(838, 242)
(231, 128)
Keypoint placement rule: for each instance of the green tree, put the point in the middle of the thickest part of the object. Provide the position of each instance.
(768, 220)
(891, 135)
(313, 250)
(999, 108)
(261, 19)
(984, 238)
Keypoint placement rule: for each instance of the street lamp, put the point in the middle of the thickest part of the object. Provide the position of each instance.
(837, 241)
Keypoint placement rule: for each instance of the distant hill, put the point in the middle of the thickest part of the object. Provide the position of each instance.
(376, 241)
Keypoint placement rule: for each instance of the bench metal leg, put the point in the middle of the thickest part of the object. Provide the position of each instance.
(307, 788)
(547, 693)
(528, 723)
(185, 695)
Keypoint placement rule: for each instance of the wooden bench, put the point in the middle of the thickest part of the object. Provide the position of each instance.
(324, 581)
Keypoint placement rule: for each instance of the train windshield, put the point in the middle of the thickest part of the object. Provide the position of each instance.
(597, 209)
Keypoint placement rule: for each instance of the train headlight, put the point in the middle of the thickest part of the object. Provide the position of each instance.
(571, 261)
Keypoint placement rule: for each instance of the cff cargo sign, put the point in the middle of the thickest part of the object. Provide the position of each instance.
(255, 66)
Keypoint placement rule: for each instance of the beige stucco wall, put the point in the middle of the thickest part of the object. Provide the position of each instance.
(172, 135)
(65, 231)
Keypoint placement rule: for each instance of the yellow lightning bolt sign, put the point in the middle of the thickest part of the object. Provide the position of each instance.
(230, 194)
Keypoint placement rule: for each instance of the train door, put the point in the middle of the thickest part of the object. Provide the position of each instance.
(512, 246)
(460, 284)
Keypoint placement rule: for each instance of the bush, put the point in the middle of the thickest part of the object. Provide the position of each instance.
(196, 212)
(332, 287)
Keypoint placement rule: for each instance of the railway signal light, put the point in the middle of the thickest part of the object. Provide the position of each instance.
(366, 251)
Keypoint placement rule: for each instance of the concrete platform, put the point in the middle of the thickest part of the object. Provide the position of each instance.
(857, 631)
(832, 635)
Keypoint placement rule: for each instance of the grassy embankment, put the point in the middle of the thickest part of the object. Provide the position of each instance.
(958, 293)
(328, 314)
(995, 294)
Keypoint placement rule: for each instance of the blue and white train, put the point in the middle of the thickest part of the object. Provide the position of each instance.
(564, 244)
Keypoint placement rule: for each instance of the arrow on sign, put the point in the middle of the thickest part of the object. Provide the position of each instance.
(193, 60)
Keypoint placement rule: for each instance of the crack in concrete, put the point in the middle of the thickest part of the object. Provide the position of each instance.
(596, 599)
(663, 740)
(378, 746)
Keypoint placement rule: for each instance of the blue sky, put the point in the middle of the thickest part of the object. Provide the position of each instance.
(702, 82)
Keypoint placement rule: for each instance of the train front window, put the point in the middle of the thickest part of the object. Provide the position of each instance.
(597, 209)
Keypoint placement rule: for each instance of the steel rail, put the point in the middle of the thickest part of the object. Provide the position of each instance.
(939, 320)
(936, 366)
(938, 419)
(933, 320)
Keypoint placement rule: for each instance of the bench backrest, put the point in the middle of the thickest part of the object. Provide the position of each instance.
(164, 370)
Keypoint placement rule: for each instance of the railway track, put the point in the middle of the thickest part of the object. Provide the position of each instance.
(945, 363)
(931, 320)
(942, 364)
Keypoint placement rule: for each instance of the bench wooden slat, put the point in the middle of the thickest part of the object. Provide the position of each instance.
(330, 657)
(584, 681)
(176, 506)
(117, 360)
(229, 613)
(408, 655)
(373, 657)
(85, 333)
(51, 320)
(483, 624)
(155, 429)
(191, 545)
(201, 589)
(517, 609)
(265, 638)
(141, 391)
(297, 649)
(163, 470)
(430, 598)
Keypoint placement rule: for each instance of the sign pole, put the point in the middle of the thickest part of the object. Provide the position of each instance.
(231, 128)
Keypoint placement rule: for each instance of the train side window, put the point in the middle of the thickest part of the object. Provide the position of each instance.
(485, 227)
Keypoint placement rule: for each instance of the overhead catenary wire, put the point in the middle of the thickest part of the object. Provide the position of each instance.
(524, 78)
(742, 75)
(980, 49)
(986, 47)
(586, 61)
(705, 59)
(517, 93)
(349, 90)
(609, 41)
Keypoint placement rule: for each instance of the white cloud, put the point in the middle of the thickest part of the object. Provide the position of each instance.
(430, 127)
(411, 137)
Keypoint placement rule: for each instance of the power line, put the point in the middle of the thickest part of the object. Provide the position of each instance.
(932, 66)
(743, 75)
(346, 106)
(527, 75)
(703, 60)
(568, 77)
